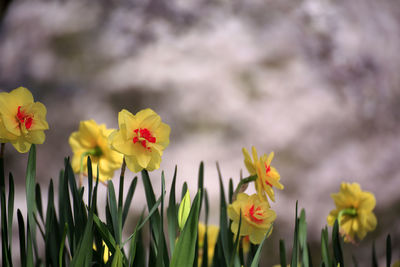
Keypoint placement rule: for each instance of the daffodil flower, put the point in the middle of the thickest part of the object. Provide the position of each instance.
(142, 139)
(92, 140)
(267, 176)
(22, 121)
(212, 236)
(257, 217)
(354, 211)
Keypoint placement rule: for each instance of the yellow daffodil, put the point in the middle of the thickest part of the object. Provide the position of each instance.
(106, 253)
(257, 217)
(92, 140)
(354, 211)
(267, 176)
(22, 121)
(212, 236)
(142, 139)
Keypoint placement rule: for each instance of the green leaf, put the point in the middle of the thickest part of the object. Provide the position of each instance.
(295, 249)
(39, 205)
(256, 258)
(230, 194)
(21, 231)
(83, 255)
(90, 180)
(223, 221)
(172, 214)
(337, 249)
(282, 252)
(155, 220)
(64, 207)
(117, 258)
(61, 252)
(207, 205)
(117, 226)
(51, 230)
(185, 247)
(30, 195)
(161, 249)
(388, 251)
(10, 208)
(324, 247)
(184, 209)
(235, 246)
(128, 200)
(139, 226)
(200, 182)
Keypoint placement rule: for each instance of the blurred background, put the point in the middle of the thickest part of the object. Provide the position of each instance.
(315, 81)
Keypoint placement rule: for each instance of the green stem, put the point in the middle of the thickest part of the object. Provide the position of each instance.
(350, 211)
(242, 182)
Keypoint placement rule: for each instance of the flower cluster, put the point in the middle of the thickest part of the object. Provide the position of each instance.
(22, 121)
(353, 211)
(140, 140)
(255, 211)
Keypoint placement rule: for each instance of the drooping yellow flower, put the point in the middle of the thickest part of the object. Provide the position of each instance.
(142, 139)
(257, 217)
(22, 121)
(212, 236)
(354, 211)
(92, 140)
(267, 176)
(106, 253)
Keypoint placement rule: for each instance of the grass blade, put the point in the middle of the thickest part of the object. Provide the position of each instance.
(256, 258)
(388, 251)
(172, 214)
(112, 201)
(282, 252)
(337, 249)
(21, 231)
(295, 249)
(184, 252)
(223, 221)
(128, 200)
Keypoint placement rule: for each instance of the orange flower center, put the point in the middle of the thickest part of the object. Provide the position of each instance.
(24, 118)
(268, 169)
(253, 212)
(143, 136)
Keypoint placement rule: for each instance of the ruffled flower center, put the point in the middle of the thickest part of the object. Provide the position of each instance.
(254, 214)
(23, 118)
(143, 136)
(267, 170)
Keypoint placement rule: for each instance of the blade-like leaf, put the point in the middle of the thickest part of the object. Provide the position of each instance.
(388, 251)
(256, 258)
(128, 200)
(282, 252)
(21, 231)
(337, 249)
(185, 247)
(172, 214)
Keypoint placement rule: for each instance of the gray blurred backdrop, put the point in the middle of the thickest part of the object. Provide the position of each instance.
(316, 81)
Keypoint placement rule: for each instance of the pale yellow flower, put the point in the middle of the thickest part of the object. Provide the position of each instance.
(142, 139)
(22, 121)
(267, 176)
(106, 253)
(212, 236)
(257, 217)
(92, 140)
(354, 208)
